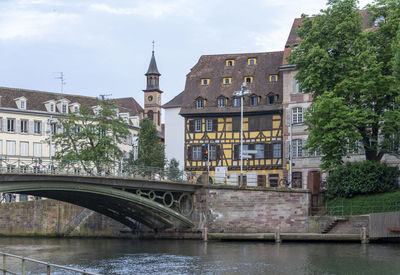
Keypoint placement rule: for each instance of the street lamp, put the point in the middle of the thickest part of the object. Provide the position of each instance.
(241, 94)
(51, 122)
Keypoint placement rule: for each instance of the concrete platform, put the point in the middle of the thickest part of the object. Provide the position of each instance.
(285, 237)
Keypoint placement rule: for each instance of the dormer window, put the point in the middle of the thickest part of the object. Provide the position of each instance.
(271, 99)
(229, 63)
(221, 102)
(248, 79)
(205, 81)
(76, 109)
(21, 102)
(273, 78)
(64, 108)
(227, 80)
(251, 61)
(236, 102)
(253, 100)
(200, 103)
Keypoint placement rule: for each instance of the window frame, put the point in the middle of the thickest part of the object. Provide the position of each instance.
(197, 152)
(11, 125)
(236, 102)
(275, 150)
(297, 148)
(269, 101)
(200, 103)
(252, 103)
(37, 127)
(252, 61)
(273, 76)
(248, 77)
(297, 115)
(205, 81)
(223, 100)
(24, 126)
(225, 79)
(228, 61)
(209, 125)
(197, 125)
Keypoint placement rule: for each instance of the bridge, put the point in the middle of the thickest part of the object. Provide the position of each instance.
(127, 198)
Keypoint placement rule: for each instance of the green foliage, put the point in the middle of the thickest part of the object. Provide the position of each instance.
(355, 77)
(364, 204)
(151, 150)
(91, 138)
(173, 172)
(367, 177)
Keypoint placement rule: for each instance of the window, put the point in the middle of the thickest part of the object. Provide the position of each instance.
(10, 148)
(251, 61)
(150, 115)
(277, 150)
(197, 153)
(209, 126)
(248, 79)
(273, 78)
(24, 126)
(297, 114)
(271, 100)
(10, 125)
(52, 108)
(200, 103)
(197, 125)
(254, 101)
(53, 128)
(76, 109)
(297, 148)
(227, 80)
(296, 86)
(64, 108)
(37, 125)
(258, 123)
(37, 150)
(260, 151)
(236, 102)
(212, 152)
(229, 62)
(23, 150)
(22, 104)
(297, 179)
(205, 81)
(221, 102)
(273, 180)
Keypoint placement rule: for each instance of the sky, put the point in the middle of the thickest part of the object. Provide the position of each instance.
(103, 47)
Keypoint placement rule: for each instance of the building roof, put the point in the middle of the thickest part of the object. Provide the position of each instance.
(213, 67)
(152, 66)
(35, 100)
(175, 102)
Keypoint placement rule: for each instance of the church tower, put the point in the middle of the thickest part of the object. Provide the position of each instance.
(152, 94)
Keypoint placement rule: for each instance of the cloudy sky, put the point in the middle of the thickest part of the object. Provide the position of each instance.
(104, 46)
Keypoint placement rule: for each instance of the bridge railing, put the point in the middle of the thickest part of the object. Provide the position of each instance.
(6, 269)
(40, 166)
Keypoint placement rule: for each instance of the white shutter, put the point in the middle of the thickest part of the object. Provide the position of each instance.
(43, 128)
(1, 147)
(37, 150)
(288, 116)
(23, 150)
(17, 126)
(30, 127)
(4, 125)
(1, 124)
(10, 148)
(305, 151)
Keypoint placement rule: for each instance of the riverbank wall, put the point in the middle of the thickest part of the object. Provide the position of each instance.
(51, 218)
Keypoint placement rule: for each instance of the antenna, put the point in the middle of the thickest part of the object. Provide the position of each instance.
(62, 80)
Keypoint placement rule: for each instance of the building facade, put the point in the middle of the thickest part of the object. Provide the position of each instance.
(212, 119)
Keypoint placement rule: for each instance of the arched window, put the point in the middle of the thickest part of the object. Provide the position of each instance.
(150, 115)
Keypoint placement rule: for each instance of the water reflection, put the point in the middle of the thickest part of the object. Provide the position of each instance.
(108, 256)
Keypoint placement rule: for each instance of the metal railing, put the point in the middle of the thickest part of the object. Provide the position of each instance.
(348, 208)
(41, 166)
(49, 267)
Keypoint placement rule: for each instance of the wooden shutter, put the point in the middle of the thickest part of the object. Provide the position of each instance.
(189, 153)
(252, 147)
(236, 151)
(268, 151)
(215, 125)
(191, 126)
(218, 151)
(261, 180)
(236, 124)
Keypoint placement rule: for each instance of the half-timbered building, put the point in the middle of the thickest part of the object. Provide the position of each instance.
(212, 119)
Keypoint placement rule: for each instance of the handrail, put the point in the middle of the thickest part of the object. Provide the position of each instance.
(48, 265)
(358, 208)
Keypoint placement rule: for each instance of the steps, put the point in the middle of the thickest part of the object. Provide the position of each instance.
(330, 225)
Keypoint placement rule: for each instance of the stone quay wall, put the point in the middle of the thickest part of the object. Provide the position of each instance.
(235, 210)
(55, 218)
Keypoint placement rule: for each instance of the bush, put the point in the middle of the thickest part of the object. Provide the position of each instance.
(368, 177)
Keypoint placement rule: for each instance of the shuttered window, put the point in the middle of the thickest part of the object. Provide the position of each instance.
(10, 148)
(24, 148)
(37, 150)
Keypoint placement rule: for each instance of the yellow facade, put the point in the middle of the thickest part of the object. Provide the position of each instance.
(264, 167)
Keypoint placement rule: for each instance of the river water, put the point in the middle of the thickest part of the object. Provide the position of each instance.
(115, 256)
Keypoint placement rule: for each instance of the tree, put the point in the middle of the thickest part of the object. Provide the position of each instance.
(91, 137)
(151, 150)
(173, 172)
(354, 74)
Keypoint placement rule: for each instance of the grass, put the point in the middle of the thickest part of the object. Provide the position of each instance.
(364, 204)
